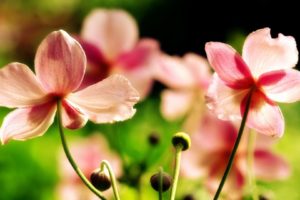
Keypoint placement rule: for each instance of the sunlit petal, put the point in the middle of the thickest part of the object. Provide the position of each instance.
(72, 118)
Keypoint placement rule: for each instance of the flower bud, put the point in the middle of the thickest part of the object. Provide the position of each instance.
(153, 138)
(166, 181)
(181, 139)
(100, 180)
(188, 197)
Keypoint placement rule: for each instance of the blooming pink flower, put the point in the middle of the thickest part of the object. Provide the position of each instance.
(110, 40)
(60, 65)
(187, 79)
(88, 153)
(265, 70)
(210, 152)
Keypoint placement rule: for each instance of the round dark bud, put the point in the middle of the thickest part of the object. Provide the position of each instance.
(181, 139)
(188, 197)
(263, 197)
(100, 180)
(166, 181)
(154, 138)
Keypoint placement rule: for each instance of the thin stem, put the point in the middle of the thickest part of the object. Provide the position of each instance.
(70, 158)
(250, 157)
(235, 147)
(160, 183)
(112, 178)
(176, 171)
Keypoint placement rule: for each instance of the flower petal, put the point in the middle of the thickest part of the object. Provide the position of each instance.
(263, 53)
(175, 104)
(229, 65)
(265, 117)
(173, 72)
(27, 123)
(19, 87)
(200, 69)
(268, 166)
(113, 31)
(281, 85)
(224, 101)
(72, 118)
(107, 101)
(60, 63)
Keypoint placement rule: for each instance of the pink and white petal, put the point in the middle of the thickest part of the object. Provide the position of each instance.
(200, 69)
(263, 53)
(60, 63)
(109, 100)
(141, 79)
(268, 166)
(176, 103)
(224, 101)
(281, 85)
(172, 71)
(19, 87)
(112, 31)
(27, 123)
(72, 118)
(229, 65)
(264, 117)
(141, 56)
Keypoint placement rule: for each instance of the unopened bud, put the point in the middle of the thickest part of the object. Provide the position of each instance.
(181, 139)
(188, 197)
(153, 138)
(100, 180)
(166, 181)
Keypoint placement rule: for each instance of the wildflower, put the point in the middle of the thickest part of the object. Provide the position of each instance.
(60, 65)
(110, 40)
(264, 70)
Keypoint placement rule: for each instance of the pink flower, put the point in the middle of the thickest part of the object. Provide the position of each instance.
(60, 65)
(88, 153)
(187, 79)
(265, 70)
(210, 151)
(110, 40)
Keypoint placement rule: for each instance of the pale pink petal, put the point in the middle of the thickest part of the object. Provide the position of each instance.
(107, 101)
(176, 103)
(264, 117)
(200, 69)
(229, 65)
(172, 71)
(19, 87)
(268, 166)
(27, 123)
(60, 63)
(113, 31)
(281, 85)
(224, 101)
(263, 53)
(72, 118)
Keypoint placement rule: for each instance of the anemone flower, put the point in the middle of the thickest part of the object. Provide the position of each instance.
(187, 79)
(88, 152)
(110, 40)
(60, 64)
(264, 71)
(210, 151)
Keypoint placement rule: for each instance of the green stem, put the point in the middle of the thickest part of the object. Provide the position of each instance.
(71, 160)
(250, 174)
(160, 183)
(105, 163)
(176, 171)
(235, 147)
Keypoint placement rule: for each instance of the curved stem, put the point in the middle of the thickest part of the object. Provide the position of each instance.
(176, 171)
(160, 183)
(105, 163)
(71, 160)
(235, 147)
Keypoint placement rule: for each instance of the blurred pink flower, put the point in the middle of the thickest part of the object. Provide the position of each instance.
(110, 40)
(187, 79)
(60, 65)
(88, 153)
(265, 70)
(210, 152)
